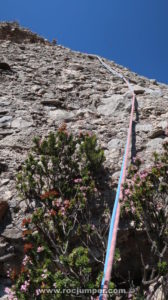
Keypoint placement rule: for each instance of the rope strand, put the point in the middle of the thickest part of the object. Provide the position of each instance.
(119, 195)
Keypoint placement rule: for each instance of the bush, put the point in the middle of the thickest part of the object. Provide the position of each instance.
(64, 234)
(146, 203)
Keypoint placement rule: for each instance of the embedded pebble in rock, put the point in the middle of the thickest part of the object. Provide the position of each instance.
(5, 119)
(155, 132)
(20, 123)
(138, 90)
(4, 181)
(61, 115)
(115, 144)
(144, 128)
(7, 195)
(65, 87)
(12, 233)
(111, 105)
(163, 125)
(50, 85)
(155, 145)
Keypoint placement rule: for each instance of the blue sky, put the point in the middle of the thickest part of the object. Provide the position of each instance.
(133, 33)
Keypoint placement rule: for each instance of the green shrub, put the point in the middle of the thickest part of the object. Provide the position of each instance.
(146, 203)
(64, 234)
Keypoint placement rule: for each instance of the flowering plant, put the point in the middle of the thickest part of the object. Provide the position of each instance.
(65, 236)
(146, 204)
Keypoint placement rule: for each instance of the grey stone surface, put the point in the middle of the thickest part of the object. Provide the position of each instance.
(61, 115)
(111, 105)
(144, 128)
(12, 233)
(5, 119)
(21, 123)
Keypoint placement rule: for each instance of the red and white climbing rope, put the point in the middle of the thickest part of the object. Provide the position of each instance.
(116, 209)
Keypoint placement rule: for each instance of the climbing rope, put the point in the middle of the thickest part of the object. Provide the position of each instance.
(119, 195)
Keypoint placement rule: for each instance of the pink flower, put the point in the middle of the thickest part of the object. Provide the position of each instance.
(133, 210)
(135, 177)
(44, 275)
(8, 290)
(62, 210)
(25, 286)
(40, 249)
(10, 293)
(77, 180)
(66, 203)
(57, 202)
(83, 188)
(143, 174)
(127, 192)
(25, 260)
(8, 272)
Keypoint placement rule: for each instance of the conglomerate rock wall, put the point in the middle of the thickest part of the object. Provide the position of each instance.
(46, 85)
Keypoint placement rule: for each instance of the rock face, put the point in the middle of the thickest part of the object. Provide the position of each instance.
(11, 31)
(49, 85)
